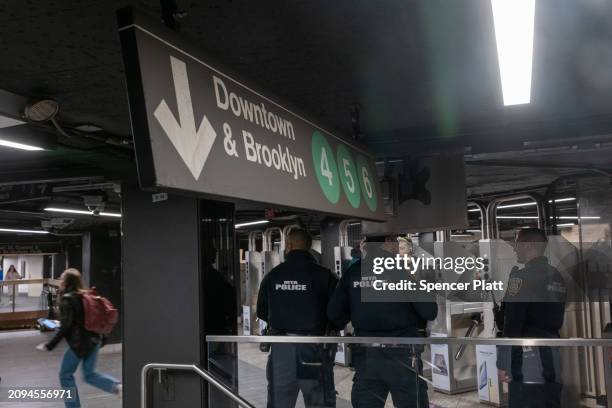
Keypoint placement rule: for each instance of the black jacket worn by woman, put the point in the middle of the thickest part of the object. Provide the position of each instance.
(72, 318)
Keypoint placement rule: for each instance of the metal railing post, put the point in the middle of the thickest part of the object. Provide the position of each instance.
(207, 376)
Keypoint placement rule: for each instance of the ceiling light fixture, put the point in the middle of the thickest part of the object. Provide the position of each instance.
(528, 204)
(562, 200)
(514, 28)
(585, 217)
(42, 110)
(6, 121)
(83, 212)
(21, 146)
(246, 224)
(23, 231)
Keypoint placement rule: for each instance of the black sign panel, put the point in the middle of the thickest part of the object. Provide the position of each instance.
(199, 129)
(431, 196)
(30, 248)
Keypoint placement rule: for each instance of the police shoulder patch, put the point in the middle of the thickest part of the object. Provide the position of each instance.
(514, 286)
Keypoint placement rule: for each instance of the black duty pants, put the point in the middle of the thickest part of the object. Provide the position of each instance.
(299, 367)
(521, 395)
(380, 371)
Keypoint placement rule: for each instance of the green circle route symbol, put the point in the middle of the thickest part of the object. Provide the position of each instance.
(325, 167)
(349, 176)
(367, 182)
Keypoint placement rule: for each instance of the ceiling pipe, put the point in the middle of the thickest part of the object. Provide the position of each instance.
(539, 165)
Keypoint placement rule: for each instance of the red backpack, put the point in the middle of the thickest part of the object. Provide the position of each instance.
(100, 314)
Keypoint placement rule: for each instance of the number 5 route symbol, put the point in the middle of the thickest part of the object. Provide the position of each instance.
(349, 176)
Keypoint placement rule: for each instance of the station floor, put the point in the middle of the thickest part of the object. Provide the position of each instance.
(22, 365)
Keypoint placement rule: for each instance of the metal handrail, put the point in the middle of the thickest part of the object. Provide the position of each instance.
(206, 375)
(17, 282)
(378, 341)
(483, 217)
(492, 226)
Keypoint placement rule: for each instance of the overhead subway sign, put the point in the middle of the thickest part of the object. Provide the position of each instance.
(198, 129)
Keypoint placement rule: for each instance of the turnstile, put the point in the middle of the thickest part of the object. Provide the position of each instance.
(342, 259)
(454, 366)
(253, 276)
(258, 264)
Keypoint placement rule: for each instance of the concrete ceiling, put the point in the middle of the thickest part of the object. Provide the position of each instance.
(423, 73)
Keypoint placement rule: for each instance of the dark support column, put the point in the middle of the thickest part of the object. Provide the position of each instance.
(329, 240)
(59, 265)
(47, 266)
(162, 303)
(102, 266)
(86, 258)
(74, 254)
(221, 284)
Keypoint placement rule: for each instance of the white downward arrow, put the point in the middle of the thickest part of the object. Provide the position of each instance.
(193, 146)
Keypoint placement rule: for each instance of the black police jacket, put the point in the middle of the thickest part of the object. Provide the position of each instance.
(376, 318)
(293, 296)
(72, 318)
(533, 306)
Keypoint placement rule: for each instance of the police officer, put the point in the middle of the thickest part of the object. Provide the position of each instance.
(533, 306)
(381, 370)
(292, 300)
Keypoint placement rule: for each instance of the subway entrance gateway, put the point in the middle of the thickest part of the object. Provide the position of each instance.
(199, 130)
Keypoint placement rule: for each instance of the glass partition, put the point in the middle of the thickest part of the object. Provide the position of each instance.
(400, 373)
(23, 301)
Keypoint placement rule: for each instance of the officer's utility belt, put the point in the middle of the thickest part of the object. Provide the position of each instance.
(275, 332)
(415, 348)
(410, 347)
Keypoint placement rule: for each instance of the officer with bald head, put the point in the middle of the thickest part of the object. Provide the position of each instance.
(293, 300)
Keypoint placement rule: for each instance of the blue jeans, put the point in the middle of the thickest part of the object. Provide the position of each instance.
(70, 362)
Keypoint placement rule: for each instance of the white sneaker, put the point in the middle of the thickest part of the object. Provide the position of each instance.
(119, 390)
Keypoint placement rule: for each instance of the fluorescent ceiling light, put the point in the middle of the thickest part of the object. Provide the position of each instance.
(529, 217)
(22, 231)
(69, 211)
(473, 230)
(107, 214)
(14, 145)
(514, 21)
(586, 217)
(246, 224)
(517, 217)
(569, 224)
(517, 205)
(5, 121)
(527, 204)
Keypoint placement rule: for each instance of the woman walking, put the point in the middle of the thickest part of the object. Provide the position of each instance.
(83, 344)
